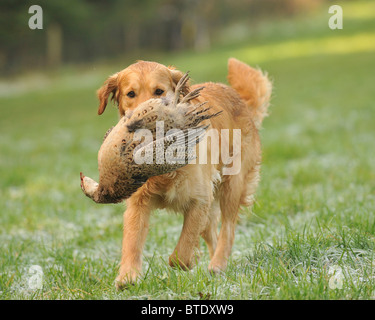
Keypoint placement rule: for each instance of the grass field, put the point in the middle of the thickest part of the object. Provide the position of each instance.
(315, 204)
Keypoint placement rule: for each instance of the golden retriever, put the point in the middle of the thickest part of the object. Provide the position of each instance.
(201, 192)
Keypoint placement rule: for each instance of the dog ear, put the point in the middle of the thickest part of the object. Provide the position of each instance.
(109, 87)
(176, 76)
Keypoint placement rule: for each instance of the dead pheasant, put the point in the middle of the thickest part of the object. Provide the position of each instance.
(119, 174)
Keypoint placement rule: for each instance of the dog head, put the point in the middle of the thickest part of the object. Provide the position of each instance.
(137, 83)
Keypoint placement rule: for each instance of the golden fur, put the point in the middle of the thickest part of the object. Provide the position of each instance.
(199, 191)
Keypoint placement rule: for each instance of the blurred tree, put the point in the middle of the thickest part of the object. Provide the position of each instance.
(85, 30)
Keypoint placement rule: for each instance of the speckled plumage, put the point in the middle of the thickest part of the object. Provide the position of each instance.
(119, 175)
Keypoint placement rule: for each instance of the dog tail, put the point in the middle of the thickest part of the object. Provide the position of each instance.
(253, 86)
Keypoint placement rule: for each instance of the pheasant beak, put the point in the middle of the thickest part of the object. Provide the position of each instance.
(88, 186)
(82, 177)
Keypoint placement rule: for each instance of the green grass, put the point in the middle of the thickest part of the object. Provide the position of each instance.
(315, 204)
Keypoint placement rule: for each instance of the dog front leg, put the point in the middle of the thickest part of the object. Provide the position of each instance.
(194, 218)
(229, 205)
(136, 224)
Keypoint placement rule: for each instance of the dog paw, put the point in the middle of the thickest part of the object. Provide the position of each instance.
(217, 268)
(174, 262)
(122, 285)
(185, 263)
(124, 281)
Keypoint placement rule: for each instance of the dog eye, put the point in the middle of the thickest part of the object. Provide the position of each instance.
(131, 94)
(159, 92)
